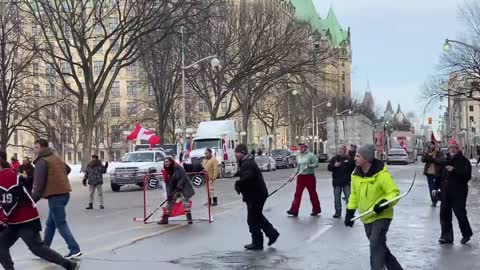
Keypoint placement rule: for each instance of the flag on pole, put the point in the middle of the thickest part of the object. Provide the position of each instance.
(142, 133)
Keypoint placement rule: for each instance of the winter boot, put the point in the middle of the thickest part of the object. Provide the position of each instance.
(189, 218)
(253, 247)
(90, 206)
(292, 214)
(273, 238)
(338, 214)
(164, 220)
(215, 201)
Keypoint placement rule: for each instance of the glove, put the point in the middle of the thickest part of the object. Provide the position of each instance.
(237, 187)
(348, 217)
(84, 182)
(378, 208)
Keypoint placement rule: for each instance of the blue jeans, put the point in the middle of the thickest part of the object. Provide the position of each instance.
(433, 184)
(57, 219)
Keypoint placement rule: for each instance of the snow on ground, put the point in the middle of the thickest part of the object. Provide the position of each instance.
(76, 175)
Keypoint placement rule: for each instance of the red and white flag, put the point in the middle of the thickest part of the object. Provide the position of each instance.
(142, 133)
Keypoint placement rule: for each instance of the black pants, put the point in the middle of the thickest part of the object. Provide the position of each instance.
(456, 202)
(31, 236)
(257, 222)
(380, 255)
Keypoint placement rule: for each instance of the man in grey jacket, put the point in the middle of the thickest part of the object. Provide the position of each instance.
(94, 178)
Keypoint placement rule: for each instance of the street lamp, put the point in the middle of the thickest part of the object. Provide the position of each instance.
(447, 46)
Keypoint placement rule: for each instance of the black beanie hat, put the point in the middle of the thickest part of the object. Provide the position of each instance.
(241, 148)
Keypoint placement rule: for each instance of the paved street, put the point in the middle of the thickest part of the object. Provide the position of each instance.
(111, 240)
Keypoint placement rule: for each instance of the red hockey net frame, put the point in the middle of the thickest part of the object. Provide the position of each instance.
(159, 176)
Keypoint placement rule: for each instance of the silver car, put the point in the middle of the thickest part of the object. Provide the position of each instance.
(265, 163)
(397, 156)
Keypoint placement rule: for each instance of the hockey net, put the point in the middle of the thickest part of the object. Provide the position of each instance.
(155, 196)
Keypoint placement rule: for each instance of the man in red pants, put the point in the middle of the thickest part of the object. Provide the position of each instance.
(307, 162)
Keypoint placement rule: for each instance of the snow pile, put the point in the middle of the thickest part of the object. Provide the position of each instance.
(75, 173)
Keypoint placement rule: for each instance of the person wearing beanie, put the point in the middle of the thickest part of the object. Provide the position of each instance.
(254, 191)
(434, 161)
(372, 185)
(454, 191)
(341, 166)
(306, 164)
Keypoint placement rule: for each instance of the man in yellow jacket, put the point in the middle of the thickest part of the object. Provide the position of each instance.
(210, 164)
(372, 185)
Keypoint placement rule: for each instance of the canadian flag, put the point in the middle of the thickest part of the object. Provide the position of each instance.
(142, 133)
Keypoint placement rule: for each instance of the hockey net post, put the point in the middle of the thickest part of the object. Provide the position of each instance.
(155, 195)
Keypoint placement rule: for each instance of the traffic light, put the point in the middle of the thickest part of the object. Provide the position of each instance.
(430, 120)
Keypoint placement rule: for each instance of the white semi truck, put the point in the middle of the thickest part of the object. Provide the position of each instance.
(221, 137)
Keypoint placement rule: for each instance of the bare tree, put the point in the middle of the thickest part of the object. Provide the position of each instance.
(19, 99)
(88, 42)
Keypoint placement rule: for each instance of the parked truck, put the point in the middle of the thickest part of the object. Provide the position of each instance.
(220, 136)
(348, 129)
(405, 140)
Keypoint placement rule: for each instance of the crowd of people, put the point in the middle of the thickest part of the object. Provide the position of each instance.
(364, 181)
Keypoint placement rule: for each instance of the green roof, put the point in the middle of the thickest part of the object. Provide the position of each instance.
(306, 12)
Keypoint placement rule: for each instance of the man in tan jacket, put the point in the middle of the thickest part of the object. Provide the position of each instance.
(210, 164)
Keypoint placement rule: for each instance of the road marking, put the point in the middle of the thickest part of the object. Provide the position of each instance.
(319, 233)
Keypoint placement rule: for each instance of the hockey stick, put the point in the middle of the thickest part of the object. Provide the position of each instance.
(389, 201)
(158, 208)
(286, 183)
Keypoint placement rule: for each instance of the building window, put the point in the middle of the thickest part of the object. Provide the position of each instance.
(98, 28)
(15, 137)
(102, 155)
(69, 157)
(79, 155)
(223, 106)
(49, 70)
(115, 93)
(35, 69)
(470, 108)
(66, 68)
(112, 24)
(116, 134)
(131, 88)
(97, 67)
(50, 92)
(132, 69)
(202, 107)
(115, 109)
(80, 71)
(471, 118)
(131, 108)
(115, 46)
(36, 90)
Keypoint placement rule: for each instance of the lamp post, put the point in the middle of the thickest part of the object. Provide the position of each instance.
(294, 93)
(447, 46)
(314, 124)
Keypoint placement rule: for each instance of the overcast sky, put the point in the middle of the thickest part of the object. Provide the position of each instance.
(396, 45)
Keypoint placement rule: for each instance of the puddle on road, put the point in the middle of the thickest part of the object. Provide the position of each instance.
(268, 259)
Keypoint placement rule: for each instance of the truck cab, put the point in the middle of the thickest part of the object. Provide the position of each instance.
(135, 166)
(219, 136)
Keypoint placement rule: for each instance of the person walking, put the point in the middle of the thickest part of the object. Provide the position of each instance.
(372, 185)
(453, 193)
(51, 182)
(434, 163)
(210, 164)
(19, 218)
(14, 163)
(307, 162)
(25, 172)
(341, 166)
(254, 192)
(94, 178)
(178, 187)
(477, 148)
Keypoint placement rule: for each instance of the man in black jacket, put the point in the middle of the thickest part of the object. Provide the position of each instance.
(252, 186)
(454, 192)
(341, 166)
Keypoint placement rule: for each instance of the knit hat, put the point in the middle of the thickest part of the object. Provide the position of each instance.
(241, 148)
(367, 151)
(453, 143)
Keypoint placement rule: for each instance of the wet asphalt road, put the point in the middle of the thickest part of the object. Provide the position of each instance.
(111, 240)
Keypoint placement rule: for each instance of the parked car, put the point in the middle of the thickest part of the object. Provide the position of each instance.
(398, 156)
(135, 166)
(266, 163)
(284, 158)
(323, 157)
